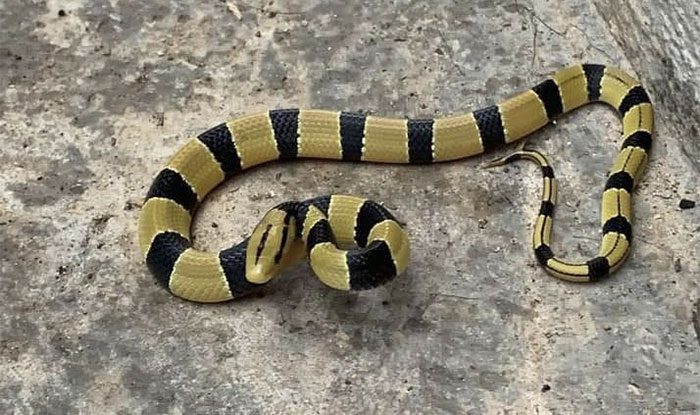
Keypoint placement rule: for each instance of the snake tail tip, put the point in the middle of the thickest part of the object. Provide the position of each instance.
(500, 161)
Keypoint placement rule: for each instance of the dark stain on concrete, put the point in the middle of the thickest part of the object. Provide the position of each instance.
(273, 70)
(56, 179)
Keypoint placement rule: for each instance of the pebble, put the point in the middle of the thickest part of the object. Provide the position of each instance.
(686, 204)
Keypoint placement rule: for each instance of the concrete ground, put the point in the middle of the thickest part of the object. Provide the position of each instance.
(96, 94)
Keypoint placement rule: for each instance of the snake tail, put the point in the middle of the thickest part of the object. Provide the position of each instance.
(353, 243)
(613, 250)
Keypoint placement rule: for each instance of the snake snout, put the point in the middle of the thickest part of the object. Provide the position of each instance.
(270, 246)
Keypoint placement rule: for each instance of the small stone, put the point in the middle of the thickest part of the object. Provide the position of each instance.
(158, 118)
(130, 205)
(677, 265)
(546, 388)
(61, 13)
(686, 204)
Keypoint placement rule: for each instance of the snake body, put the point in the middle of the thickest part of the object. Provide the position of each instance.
(353, 243)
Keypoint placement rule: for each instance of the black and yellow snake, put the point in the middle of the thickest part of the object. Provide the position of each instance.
(354, 243)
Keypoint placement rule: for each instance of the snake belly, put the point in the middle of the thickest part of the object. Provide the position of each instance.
(353, 243)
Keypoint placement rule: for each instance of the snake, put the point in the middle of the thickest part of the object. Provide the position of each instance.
(353, 243)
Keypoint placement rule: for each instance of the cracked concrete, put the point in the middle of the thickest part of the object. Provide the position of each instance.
(97, 94)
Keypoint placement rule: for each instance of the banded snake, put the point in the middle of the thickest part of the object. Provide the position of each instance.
(354, 243)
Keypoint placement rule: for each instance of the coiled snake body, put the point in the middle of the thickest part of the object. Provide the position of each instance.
(353, 243)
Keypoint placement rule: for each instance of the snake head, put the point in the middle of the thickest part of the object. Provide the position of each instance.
(272, 246)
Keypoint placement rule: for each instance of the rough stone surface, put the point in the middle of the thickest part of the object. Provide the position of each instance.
(96, 94)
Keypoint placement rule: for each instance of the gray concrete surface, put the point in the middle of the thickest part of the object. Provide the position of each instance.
(97, 94)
